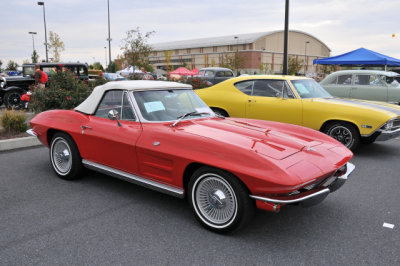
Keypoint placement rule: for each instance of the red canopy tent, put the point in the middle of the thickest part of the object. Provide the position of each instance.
(183, 71)
(195, 71)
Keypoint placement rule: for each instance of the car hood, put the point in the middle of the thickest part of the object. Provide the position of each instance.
(269, 141)
(368, 105)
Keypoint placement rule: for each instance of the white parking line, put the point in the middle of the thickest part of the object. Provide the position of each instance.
(388, 225)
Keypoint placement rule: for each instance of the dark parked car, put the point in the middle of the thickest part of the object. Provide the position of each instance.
(13, 87)
(215, 75)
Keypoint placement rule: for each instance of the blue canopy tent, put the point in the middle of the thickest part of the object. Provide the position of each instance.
(359, 57)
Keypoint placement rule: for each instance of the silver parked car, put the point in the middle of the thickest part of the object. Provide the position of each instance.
(372, 85)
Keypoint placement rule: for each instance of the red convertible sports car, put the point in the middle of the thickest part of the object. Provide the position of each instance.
(163, 136)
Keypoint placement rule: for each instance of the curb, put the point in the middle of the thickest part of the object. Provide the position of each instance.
(11, 144)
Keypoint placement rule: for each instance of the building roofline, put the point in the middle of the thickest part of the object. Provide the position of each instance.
(245, 38)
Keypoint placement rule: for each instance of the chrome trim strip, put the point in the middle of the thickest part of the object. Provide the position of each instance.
(31, 132)
(173, 191)
(271, 200)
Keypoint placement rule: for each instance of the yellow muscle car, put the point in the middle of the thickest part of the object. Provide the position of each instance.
(302, 101)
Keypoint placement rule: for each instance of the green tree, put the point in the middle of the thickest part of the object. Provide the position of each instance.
(12, 66)
(1, 63)
(168, 55)
(112, 67)
(135, 48)
(56, 45)
(233, 60)
(35, 57)
(327, 69)
(97, 66)
(294, 65)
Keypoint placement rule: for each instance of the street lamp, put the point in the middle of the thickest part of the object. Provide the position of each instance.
(305, 56)
(45, 30)
(105, 55)
(33, 40)
(109, 38)
(285, 39)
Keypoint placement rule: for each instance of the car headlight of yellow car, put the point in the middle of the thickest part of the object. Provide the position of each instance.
(391, 124)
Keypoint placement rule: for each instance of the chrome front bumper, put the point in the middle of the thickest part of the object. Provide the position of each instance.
(31, 132)
(311, 197)
(386, 135)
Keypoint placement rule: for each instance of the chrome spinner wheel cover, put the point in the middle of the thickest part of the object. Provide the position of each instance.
(61, 156)
(342, 134)
(215, 200)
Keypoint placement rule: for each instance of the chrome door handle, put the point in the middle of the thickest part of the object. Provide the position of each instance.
(85, 127)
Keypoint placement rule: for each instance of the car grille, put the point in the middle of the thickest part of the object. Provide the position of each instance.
(396, 123)
(325, 181)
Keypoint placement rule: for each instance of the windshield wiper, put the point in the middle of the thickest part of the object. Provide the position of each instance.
(219, 116)
(180, 118)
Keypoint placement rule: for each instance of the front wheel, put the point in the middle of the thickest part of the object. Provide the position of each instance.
(345, 133)
(220, 112)
(65, 157)
(220, 202)
(12, 99)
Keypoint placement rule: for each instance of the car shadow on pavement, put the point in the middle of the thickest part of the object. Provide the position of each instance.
(384, 149)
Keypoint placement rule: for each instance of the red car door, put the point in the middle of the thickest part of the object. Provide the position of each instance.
(105, 142)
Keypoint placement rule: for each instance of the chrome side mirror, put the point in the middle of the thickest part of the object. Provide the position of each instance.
(113, 115)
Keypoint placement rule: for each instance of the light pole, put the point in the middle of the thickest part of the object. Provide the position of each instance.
(105, 56)
(33, 40)
(236, 54)
(45, 30)
(305, 56)
(285, 41)
(109, 38)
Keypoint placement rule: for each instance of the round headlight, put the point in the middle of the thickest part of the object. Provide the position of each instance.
(2, 82)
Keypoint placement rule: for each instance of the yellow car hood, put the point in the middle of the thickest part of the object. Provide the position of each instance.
(370, 105)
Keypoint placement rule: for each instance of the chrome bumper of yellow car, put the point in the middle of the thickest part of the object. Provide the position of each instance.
(387, 134)
(311, 197)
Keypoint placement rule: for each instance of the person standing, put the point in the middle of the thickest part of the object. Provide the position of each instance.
(40, 77)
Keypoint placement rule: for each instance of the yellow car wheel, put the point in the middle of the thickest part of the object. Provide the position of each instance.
(345, 133)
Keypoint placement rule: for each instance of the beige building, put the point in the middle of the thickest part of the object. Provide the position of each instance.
(262, 52)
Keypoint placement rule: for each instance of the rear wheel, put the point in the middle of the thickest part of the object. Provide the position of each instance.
(65, 157)
(12, 99)
(220, 202)
(345, 133)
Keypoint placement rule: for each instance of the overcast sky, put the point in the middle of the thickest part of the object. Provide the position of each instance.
(82, 25)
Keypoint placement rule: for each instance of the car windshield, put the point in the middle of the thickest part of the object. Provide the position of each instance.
(29, 70)
(170, 105)
(393, 81)
(308, 88)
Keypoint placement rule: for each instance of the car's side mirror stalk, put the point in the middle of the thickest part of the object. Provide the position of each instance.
(113, 115)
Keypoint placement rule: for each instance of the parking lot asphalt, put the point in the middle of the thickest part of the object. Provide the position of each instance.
(98, 220)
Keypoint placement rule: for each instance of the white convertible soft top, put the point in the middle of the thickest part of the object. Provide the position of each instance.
(89, 105)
